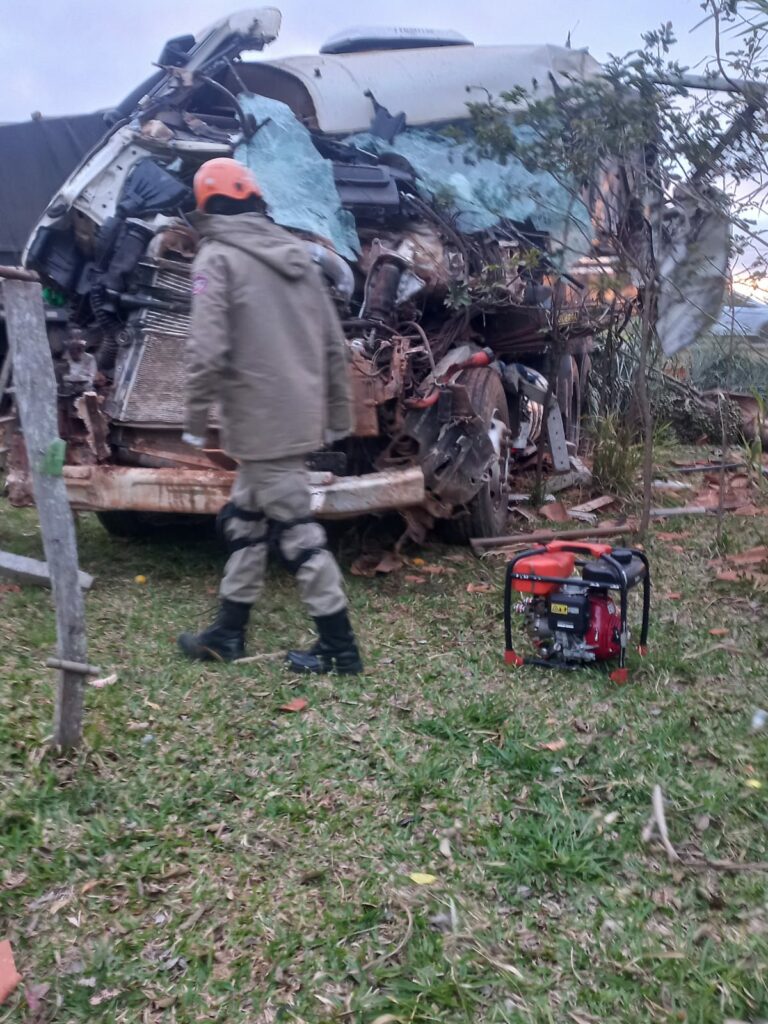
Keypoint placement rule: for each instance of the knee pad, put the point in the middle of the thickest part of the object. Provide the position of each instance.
(277, 530)
(231, 513)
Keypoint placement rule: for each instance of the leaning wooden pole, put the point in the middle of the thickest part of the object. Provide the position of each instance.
(35, 394)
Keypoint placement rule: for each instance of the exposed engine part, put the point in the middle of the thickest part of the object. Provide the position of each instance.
(530, 411)
(336, 269)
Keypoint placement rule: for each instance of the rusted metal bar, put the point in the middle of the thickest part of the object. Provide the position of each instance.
(204, 491)
(18, 274)
(540, 536)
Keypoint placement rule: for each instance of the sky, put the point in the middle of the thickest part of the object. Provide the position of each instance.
(75, 56)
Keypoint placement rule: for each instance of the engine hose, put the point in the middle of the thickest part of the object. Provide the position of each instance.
(478, 359)
(335, 268)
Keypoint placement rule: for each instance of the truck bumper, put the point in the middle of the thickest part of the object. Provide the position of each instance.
(203, 492)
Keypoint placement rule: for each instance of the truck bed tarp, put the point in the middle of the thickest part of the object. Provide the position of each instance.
(36, 157)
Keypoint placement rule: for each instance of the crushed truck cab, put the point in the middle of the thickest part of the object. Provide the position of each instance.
(453, 274)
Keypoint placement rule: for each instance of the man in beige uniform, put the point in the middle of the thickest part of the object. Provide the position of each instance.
(266, 344)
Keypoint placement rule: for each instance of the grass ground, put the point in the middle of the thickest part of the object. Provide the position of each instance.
(209, 858)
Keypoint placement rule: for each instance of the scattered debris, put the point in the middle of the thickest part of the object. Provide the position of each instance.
(658, 823)
(478, 588)
(670, 486)
(33, 571)
(594, 505)
(555, 512)
(377, 961)
(759, 719)
(553, 745)
(99, 684)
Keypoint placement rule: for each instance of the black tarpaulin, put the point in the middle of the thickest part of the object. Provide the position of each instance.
(36, 157)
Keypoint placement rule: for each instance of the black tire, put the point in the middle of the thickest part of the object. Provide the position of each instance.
(486, 514)
(569, 398)
(144, 525)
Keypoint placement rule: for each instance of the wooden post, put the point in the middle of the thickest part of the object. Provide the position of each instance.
(35, 393)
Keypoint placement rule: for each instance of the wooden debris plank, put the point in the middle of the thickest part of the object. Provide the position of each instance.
(21, 569)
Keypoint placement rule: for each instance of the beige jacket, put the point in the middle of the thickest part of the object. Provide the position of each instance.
(265, 342)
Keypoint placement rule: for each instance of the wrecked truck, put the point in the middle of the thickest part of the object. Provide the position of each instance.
(364, 150)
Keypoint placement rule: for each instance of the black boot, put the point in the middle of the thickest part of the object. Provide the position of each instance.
(335, 650)
(224, 640)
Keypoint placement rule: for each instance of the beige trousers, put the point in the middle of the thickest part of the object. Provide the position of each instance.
(278, 493)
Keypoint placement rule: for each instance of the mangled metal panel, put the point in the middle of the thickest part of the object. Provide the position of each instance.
(693, 269)
(429, 86)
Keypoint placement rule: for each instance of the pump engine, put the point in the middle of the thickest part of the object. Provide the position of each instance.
(573, 599)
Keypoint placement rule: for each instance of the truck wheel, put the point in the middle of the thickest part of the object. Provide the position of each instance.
(163, 525)
(486, 514)
(569, 398)
(127, 524)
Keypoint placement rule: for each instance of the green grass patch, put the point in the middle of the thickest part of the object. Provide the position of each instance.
(206, 858)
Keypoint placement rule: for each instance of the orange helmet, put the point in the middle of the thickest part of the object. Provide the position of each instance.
(224, 177)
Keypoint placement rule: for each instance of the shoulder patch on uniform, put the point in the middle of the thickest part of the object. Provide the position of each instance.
(199, 283)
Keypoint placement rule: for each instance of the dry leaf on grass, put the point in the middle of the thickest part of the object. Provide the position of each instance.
(719, 631)
(376, 562)
(727, 576)
(415, 579)
(103, 996)
(422, 878)
(673, 595)
(297, 704)
(750, 510)
(14, 880)
(34, 995)
(558, 744)
(753, 556)
(478, 588)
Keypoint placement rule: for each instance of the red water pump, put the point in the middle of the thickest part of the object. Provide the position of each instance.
(574, 600)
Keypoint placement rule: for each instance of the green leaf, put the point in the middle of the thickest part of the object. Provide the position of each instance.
(52, 462)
